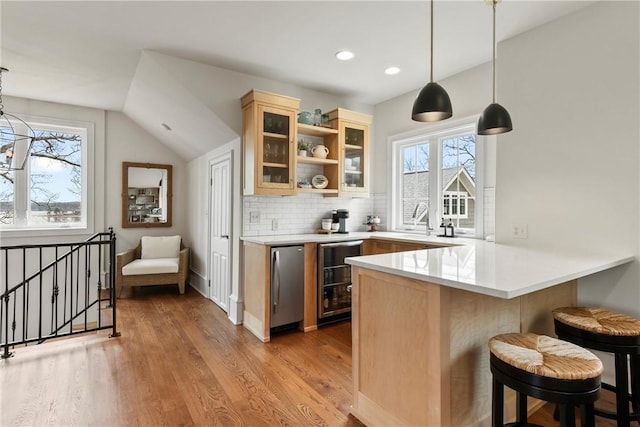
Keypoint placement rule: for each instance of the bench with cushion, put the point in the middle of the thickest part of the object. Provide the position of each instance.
(162, 260)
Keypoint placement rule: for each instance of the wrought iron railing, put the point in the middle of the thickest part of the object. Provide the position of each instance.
(55, 290)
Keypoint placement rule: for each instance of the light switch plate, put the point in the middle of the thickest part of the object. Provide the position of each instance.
(254, 217)
(520, 231)
(274, 224)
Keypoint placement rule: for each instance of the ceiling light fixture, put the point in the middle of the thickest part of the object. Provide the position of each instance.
(344, 55)
(391, 71)
(495, 119)
(14, 145)
(432, 103)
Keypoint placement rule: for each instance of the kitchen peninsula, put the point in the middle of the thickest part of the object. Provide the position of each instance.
(422, 320)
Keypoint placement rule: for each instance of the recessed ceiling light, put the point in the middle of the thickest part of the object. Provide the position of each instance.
(344, 55)
(392, 70)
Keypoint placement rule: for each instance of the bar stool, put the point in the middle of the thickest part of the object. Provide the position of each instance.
(603, 330)
(545, 368)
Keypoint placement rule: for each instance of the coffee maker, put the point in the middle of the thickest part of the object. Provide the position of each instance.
(340, 216)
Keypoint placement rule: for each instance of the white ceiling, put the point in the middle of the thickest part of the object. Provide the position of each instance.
(86, 52)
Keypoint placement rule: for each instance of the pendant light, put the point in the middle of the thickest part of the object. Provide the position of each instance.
(433, 103)
(495, 119)
(14, 146)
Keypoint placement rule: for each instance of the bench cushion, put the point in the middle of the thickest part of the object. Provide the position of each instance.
(151, 266)
(160, 247)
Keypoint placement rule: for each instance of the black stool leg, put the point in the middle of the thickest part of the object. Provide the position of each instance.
(622, 391)
(521, 408)
(587, 416)
(497, 414)
(567, 415)
(635, 382)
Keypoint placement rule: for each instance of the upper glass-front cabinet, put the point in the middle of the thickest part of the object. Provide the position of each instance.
(276, 160)
(269, 132)
(353, 133)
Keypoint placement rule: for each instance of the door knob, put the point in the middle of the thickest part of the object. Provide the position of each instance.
(225, 236)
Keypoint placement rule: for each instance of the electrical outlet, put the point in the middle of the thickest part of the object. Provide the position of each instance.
(274, 224)
(254, 217)
(520, 231)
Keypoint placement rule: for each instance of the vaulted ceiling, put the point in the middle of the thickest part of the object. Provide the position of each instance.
(87, 52)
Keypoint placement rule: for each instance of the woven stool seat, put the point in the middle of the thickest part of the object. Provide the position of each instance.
(545, 368)
(600, 329)
(545, 356)
(598, 320)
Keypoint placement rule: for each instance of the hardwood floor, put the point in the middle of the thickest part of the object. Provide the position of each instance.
(180, 362)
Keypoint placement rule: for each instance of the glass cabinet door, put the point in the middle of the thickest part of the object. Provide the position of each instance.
(275, 159)
(355, 147)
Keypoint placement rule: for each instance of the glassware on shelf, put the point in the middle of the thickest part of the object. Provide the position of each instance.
(268, 154)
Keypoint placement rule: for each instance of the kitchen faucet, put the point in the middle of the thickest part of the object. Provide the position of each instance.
(416, 218)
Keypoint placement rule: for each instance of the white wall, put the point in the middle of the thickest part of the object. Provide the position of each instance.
(127, 142)
(570, 167)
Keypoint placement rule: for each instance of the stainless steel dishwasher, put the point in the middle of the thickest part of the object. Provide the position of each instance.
(334, 279)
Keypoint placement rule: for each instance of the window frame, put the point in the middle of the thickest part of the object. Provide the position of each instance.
(23, 178)
(434, 134)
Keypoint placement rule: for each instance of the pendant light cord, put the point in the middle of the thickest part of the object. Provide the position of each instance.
(431, 49)
(494, 51)
(2, 70)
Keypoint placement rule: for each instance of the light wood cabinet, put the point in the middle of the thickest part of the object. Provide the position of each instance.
(268, 143)
(256, 274)
(308, 166)
(379, 246)
(430, 341)
(353, 138)
(269, 149)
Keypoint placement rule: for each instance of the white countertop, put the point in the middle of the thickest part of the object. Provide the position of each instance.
(488, 268)
(294, 239)
(474, 265)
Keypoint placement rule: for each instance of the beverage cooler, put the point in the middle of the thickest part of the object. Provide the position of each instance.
(334, 279)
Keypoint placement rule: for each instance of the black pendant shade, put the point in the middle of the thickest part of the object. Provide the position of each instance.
(432, 104)
(495, 119)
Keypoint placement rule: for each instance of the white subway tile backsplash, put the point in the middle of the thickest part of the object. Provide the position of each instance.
(302, 214)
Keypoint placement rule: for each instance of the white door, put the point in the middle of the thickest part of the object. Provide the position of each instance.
(220, 209)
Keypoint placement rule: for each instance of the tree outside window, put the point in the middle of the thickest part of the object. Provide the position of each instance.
(434, 180)
(48, 192)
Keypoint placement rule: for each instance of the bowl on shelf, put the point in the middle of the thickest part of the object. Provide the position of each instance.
(319, 181)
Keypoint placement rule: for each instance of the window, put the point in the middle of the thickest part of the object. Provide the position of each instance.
(51, 192)
(435, 174)
(454, 204)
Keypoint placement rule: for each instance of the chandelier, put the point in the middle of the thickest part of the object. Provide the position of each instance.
(16, 138)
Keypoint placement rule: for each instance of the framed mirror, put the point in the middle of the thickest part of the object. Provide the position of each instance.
(146, 195)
